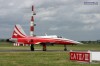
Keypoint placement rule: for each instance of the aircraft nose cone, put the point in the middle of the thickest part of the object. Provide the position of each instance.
(76, 42)
(73, 42)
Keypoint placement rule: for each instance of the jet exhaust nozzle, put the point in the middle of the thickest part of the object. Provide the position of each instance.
(11, 40)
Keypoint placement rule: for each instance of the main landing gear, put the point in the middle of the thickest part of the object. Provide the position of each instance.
(32, 47)
(44, 47)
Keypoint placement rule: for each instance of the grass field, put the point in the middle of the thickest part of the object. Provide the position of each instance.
(42, 58)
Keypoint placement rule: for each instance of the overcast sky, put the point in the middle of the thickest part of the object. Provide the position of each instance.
(73, 19)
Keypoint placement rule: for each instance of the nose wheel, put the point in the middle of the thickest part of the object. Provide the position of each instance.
(65, 48)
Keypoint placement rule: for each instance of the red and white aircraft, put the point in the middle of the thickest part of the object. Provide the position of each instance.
(20, 37)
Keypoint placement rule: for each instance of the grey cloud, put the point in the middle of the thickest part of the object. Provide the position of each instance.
(68, 18)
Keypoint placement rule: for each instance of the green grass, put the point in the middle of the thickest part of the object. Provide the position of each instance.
(42, 58)
(38, 59)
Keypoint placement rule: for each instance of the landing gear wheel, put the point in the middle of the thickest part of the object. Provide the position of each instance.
(44, 47)
(65, 48)
(32, 47)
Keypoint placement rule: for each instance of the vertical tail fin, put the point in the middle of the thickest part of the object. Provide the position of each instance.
(18, 32)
